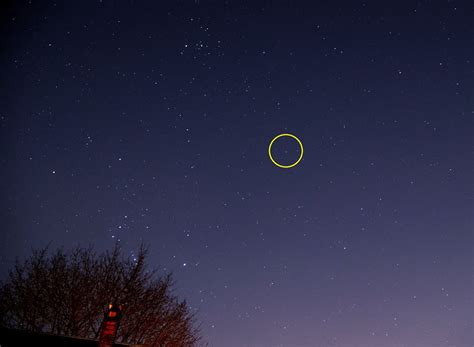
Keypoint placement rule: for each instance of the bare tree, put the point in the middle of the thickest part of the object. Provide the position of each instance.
(67, 293)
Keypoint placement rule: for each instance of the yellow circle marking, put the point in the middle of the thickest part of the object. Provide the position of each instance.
(270, 151)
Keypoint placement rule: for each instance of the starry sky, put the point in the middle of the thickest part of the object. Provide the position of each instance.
(149, 122)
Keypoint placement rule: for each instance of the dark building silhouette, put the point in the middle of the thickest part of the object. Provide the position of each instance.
(21, 338)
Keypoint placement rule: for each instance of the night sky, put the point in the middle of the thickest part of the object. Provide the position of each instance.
(149, 122)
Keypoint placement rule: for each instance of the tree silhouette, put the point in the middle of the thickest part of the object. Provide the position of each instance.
(67, 293)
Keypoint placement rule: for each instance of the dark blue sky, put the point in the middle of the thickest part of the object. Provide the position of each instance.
(149, 122)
